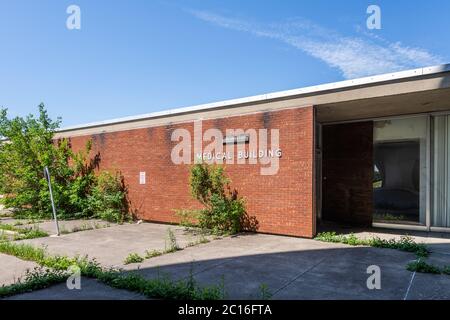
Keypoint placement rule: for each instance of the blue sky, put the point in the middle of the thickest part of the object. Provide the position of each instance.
(133, 57)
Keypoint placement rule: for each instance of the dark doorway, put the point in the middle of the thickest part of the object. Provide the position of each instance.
(347, 173)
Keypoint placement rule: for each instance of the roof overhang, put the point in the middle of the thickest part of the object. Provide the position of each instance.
(413, 91)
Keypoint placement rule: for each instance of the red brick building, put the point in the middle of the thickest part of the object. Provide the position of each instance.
(361, 152)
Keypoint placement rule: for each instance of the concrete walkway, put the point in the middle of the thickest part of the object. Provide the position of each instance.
(110, 246)
(13, 268)
(65, 226)
(290, 268)
(297, 269)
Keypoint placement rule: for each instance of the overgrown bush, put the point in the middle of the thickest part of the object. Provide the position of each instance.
(108, 198)
(27, 147)
(224, 211)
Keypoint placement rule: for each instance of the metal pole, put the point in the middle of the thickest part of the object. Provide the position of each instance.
(47, 176)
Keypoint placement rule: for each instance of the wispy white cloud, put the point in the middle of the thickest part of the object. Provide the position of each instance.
(355, 56)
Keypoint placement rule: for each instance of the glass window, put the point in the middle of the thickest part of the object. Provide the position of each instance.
(400, 171)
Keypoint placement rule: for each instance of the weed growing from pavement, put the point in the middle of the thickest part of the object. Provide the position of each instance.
(85, 227)
(423, 267)
(36, 279)
(265, 294)
(24, 233)
(171, 242)
(446, 270)
(406, 243)
(133, 258)
(161, 287)
(171, 246)
(153, 253)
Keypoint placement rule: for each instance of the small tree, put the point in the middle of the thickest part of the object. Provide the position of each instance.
(27, 147)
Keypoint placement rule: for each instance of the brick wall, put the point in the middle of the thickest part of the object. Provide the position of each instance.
(281, 203)
(347, 172)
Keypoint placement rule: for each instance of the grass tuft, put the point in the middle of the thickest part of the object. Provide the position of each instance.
(406, 243)
(423, 267)
(36, 279)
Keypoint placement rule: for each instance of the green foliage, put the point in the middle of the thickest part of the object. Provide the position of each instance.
(188, 218)
(23, 156)
(171, 242)
(22, 251)
(160, 288)
(224, 211)
(39, 255)
(108, 198)
(28, 148)
(421, 266)
(405, 243)
(153, 253)
(31, 234)
(206, 181)
(264, 292)
(24, 233)
(446, 270)
(133, 258)
(36, 279)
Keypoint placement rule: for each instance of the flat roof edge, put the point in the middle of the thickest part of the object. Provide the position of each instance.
(340, 85)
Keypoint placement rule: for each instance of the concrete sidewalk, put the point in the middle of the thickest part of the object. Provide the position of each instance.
(290, 268)
(110, 246)
(13, 268)
(294, 269)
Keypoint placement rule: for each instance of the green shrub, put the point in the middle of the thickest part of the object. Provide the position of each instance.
(108, 199)
(224, 216)
(224, 211)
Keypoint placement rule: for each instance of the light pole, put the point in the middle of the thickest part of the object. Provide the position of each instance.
(47, 176)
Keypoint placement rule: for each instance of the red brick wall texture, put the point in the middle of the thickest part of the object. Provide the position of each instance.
(281, 203)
